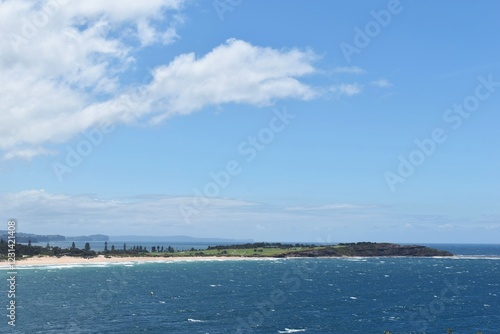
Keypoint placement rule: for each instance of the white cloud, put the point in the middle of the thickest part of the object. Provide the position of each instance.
(40, 208)
(346, 89)
(447, 226)
(28, 154)
(61, 58)
(65, 61)
(381, 83)
(236, 72)
(39, 211)
(349, 70)
(335, 206)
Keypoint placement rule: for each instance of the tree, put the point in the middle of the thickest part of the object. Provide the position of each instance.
(87, 246)
(112, 248)
(56, 250)
(153, 249)
(105, 246)
(124, 247)
(30, 248)
(73, 246)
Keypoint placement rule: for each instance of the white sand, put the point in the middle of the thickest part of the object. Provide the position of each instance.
(68, 260)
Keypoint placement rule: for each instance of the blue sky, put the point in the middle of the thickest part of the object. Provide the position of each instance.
(327, 121)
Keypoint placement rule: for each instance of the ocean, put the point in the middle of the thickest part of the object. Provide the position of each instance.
(355, 295)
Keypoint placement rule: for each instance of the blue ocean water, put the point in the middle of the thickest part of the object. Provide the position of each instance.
(357, 295)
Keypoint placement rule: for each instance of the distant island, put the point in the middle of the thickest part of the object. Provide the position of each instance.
(25, 237)
(249, 250)
(39, 238)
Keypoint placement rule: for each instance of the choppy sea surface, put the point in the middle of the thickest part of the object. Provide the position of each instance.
(355, 295)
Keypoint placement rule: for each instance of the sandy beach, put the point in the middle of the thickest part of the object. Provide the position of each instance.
(68, 260)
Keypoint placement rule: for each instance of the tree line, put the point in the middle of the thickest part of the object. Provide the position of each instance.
(31, 250)
(261, 245)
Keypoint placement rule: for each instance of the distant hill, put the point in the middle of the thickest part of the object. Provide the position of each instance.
(34, 238)
(25, 237)
(176, 238)
(37, 238)
(93, 237)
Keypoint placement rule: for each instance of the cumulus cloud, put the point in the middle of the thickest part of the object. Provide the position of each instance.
(28, 154)
(40, 208)
(64, 64)
(346, 89)
(62, 61)
(381, 83)
(334, 206)
(236, 72)
(39, 211)
(349, 70)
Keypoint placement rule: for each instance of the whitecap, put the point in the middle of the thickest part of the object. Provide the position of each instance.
(195, 320)
(291, 330)
(475, 257)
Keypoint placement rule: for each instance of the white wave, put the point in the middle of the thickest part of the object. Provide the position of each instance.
(70, 265)
(195, 320)
(474, 257)
(355, 259)
(61, 266)
(291, 330)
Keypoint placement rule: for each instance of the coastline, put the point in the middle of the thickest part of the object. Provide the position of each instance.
(100, 259)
